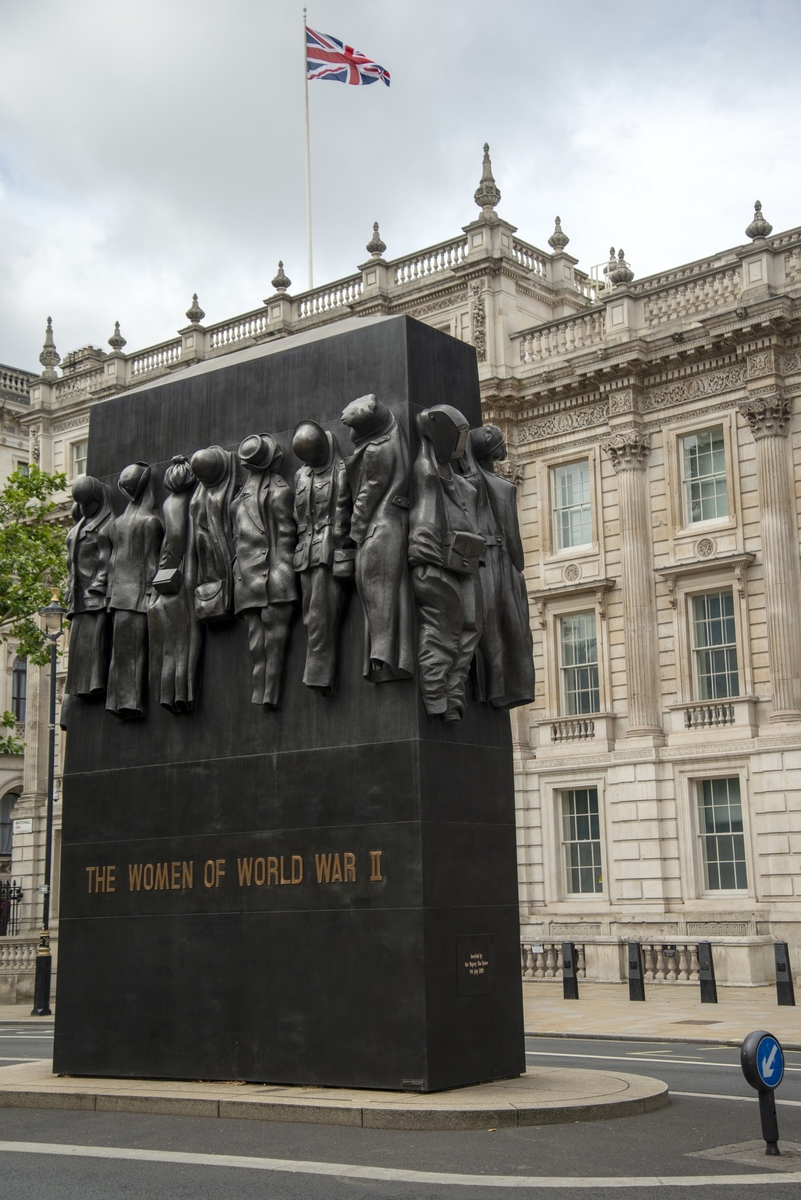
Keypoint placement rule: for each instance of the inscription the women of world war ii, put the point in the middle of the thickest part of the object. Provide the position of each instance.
(182, 875)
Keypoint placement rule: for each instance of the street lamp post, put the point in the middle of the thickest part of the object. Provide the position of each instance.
(53, 617)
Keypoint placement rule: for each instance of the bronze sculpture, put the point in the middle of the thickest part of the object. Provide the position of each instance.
(325, 553)
(445, 550)
(136, 538)
(505, 655)
(173, 630)
(212, 532)
(265, 590)
(378, 472)
(88, 560)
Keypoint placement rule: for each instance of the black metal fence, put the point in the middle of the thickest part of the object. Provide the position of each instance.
(10, 896)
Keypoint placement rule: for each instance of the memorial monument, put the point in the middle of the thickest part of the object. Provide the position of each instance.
(288, 833)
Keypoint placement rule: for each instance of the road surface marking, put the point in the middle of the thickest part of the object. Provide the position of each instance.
(686, 1062)
(718, 1096)
(395, 1174)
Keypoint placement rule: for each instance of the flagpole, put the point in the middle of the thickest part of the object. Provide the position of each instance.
(308, 160)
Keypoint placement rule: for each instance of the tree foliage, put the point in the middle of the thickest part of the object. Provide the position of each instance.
(33, 560)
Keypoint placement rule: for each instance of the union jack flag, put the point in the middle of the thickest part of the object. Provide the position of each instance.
(328, 58)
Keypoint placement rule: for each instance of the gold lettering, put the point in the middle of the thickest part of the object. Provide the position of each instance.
(220, 871)
(187, 875)
(375, 866)
(208, 873)
(283, 876)
(245, 868)
(259, 872)
(135, 877)
(297, 861)
(111, 879)
(162, 877)
(336, 873)
(323, 864)
(272, 870)
(90, 872)
(350, 867)
(175, 877)
(147, 877)
(100, 879)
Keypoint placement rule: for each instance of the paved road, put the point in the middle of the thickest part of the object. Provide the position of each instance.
(80, 1156)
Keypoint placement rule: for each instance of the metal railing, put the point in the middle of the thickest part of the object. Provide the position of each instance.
(10, 897)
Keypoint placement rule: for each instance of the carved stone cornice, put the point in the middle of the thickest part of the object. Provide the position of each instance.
(628, 451)
(768, 416)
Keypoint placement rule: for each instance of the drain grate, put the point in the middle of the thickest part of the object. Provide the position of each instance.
(696, 1021)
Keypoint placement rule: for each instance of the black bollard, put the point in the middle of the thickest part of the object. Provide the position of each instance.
(636, 981)
(784, 976)
(706, 974)
(569, 972)
(762, 1061)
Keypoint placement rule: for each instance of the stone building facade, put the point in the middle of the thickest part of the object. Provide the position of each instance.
(655, 438)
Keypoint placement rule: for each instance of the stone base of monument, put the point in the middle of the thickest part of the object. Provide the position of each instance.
(543, 1096)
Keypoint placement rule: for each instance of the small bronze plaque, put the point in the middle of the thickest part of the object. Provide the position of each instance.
(475, 965)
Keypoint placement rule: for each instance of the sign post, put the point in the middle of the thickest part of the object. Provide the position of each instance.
(762, 1061)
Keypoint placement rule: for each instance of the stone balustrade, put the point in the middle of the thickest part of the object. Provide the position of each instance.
(155, 358)
(556, 338)
(670, 962)
(530, 257)
(543, 960)
(693, 297)
(324, 300)
(443, 257)
(572, 729)
(18, 953)
(708, 715)
(15, 383)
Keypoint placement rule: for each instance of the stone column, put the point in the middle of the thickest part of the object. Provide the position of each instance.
(769, 422)
(628, 452)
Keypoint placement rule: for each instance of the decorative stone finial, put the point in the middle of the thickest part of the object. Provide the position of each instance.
(487, 194)
(558, 239)
(49, 358)
(280, 280)
(759, 227)
(195, 313)
(375, 245)
(116, 341)
(618, 272)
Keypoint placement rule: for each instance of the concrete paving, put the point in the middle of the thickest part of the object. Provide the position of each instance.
(670, 1012)
(543, 1096)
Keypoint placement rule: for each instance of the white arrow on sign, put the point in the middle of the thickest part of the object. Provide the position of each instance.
(767, 1062)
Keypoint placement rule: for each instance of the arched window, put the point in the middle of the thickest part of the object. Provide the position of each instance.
(19, 688)
(6, 826)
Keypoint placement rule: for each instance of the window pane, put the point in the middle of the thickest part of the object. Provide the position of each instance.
(581, 841)
(572, 510)
(579, 664)
(704, 476)
(720, 816)
(715, 646)
(80, 452)
(19, 688)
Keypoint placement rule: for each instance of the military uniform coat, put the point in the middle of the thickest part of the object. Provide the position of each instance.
(264, 538)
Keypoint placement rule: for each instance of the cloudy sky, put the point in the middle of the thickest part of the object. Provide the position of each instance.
(153, 148)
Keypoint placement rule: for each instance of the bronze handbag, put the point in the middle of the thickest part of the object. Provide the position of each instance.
(462, 552)
(213, 601)
(168, 580)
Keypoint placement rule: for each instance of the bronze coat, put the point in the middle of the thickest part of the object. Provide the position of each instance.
(264, 538)
(379, 476)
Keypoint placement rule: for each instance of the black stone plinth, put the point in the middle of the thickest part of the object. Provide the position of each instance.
(322, 895)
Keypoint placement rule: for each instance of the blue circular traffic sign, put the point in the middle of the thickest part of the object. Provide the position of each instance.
(762, 1060)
